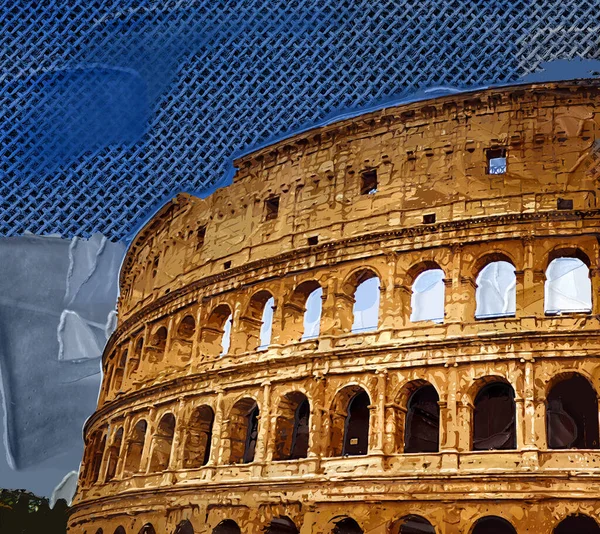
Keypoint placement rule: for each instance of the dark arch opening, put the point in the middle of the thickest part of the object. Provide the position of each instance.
(185, 527)
(135, 446)
(412, 524)
(119, 530)
(282, 525)
(243, 431)
(163, 443)
(494, 418)
(493, 525)
(422, 429)
(347, 526)
(228, 526)
(572, 415)
(577, 524)
(292, 427)
(196, 451)
(356, 428)
(187, 327)
(147, 529)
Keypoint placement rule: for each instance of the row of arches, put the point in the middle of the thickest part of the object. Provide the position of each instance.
(409, 524)
(567, 290)
(571, 422)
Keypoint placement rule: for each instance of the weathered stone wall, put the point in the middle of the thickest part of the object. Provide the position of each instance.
(168, 441)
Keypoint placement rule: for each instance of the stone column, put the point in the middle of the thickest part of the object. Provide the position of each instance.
(450, 428)
(318, 438)
(123, 450)
(263, 424)
(181, 421)
(380, 403)
(170, 336)
(196, 355)
(277, 334)
(150, 431)
(533, 282)
(530, 445)
(595, 281)
(126, 371)
(105, 454)
(335, 318)
(216, 454)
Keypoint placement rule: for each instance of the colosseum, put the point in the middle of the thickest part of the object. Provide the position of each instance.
(388, 324)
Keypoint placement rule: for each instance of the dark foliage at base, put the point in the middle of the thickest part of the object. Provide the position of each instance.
(22, 512)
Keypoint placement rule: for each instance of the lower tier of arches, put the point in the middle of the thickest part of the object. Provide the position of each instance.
(256, 511)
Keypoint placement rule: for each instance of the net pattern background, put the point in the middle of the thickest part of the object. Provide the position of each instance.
(111, 108)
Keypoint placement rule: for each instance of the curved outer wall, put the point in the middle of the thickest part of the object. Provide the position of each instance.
(196, 256)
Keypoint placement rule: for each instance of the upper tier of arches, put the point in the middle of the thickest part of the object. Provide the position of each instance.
(509, 281)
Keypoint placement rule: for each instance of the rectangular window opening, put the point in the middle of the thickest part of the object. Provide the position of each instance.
(496, 160)
(368, 182)
(564, 204)
(227, 265)
(314, 240)
(429, 218)
(200, 235)
(271, 208)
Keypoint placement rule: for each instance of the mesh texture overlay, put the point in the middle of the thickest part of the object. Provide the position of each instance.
(110, 108)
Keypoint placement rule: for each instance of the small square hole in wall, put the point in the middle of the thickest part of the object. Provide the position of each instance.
(429, 218)
(496, 160)
(564, 204)
(227, 265)
(314, 240)
(200, 235)
(271, 208)
(368, 182)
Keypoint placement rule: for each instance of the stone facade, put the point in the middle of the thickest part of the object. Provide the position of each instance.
(455, 425)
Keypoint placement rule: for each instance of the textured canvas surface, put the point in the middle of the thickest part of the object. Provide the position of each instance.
(109, 108)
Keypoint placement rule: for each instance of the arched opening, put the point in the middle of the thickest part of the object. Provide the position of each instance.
(568, 287)
(98, 446)
(494, 418)
(216, 333)
(496, 293)
(228, 526)
(365, 311)
(134, 361)
(412, 524)
(266, 324)
(312, 314)
(147, 529)
(113, 454)
(577, 524)
(256, 324)
(99, 531)
(292, 427)
(184, 340)
(572, 414)
(119, 530)
(158, 344)
(427, 300)
(282, 525)
(184, 527)
(347, 526)
(199, 436)
(302, 314)
(243, 431)
(135, 446)
(162, 444)
(120, 371)
(350, 422)
(422, 428)
(493, 525)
